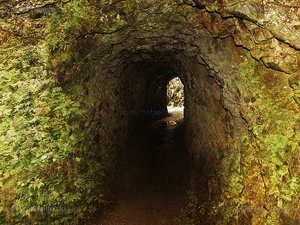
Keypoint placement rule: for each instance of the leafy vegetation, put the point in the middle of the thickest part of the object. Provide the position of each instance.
(259, 170)
(175, 93)
(43, 152)
(45, 160)
(259, 174)
(46, 172)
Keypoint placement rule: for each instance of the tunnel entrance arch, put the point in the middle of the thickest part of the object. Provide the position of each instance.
(132, 84)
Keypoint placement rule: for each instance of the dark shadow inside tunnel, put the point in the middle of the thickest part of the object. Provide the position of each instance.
(156, 153)
(155, 172)
(156, 169)
(159, 148)
(144, 80)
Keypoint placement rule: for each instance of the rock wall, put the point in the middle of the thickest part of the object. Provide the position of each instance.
(239, 63)
(206, 49)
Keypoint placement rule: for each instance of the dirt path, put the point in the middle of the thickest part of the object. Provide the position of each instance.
(161, 183)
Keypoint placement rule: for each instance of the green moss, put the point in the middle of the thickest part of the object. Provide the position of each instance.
(263, 163)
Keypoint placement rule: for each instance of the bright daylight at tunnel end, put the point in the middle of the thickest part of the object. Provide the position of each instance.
(149, 112)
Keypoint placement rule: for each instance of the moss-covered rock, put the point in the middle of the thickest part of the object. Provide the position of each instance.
(76, 82)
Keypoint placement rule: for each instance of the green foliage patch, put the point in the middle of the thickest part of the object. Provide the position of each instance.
(175, 93)
(259, 169)
(44, 154)
(46, 174)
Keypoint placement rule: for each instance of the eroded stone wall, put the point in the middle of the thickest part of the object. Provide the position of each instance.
(239, 62)
(204, 43)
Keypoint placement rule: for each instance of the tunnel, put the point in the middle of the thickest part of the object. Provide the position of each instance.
(128, 88)
(86, 93)
(139, 92)
(128, 91)
(133, 115)
(126, 81)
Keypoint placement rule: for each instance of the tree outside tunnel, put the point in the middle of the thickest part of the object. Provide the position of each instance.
(175, 93)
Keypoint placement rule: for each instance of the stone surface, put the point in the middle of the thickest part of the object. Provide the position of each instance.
(204, 43)
(129, 84)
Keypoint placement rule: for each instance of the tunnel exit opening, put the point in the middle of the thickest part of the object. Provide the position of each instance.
(175, 96)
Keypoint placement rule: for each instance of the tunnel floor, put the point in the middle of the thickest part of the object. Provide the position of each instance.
(159, 189)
